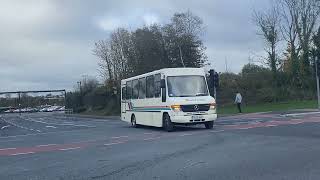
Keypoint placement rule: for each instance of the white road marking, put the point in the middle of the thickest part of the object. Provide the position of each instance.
(299, 114)
(51, 127)
(117, 137)
(153, 138)
(109, 144)
(215, 131)
(7, 149)
(47, 145)
(66, 149)
(35, 134)
(63, 124)
(84, 126)
(22, 153)
(12, 140)
(187, 134)
(5, 127)
(38, 130)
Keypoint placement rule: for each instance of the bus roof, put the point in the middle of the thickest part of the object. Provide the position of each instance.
(171, 72)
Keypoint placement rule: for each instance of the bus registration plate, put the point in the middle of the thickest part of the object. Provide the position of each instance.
(196, 117)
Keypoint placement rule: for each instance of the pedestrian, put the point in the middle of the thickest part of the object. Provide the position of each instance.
(238, 101)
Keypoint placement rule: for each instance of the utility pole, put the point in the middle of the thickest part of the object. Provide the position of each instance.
(181, 56)
(80, 89)
(19, 102)
(317, 62)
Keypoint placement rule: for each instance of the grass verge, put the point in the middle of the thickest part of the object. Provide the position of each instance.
(276, 106)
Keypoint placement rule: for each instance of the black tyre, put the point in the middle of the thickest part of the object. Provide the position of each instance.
(133, 121)
(209, 125)
(167, 124)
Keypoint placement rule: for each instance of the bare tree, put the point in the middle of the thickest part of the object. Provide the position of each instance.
(268, 24)
(290, 34)
(300, 18)
(102, 51)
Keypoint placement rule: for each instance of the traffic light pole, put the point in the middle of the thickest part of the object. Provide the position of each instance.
(317, 78)
(318, 92)
(215, 93)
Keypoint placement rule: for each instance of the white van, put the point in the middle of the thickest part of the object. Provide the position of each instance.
(168, 97)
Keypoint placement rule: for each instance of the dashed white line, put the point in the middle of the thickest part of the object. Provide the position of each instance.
(5, 127)
(64, 124)
(117, 137)
(7, 149)
(216, 131)
(51, 127)
(46, 145)
(109, 144)
(38, 130)
(187, 134)
(66, 149)
(36, 134)
(153, 138)
(22, 153)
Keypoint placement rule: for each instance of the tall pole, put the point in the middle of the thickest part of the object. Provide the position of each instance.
(182, 62)
(317, 78)
(19, 102)
(79, 82)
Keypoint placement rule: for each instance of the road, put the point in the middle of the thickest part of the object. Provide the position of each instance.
(264, 146)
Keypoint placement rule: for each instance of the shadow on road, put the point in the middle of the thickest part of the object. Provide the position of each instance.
(177, 128)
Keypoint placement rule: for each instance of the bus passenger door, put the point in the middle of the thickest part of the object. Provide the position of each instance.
(123, 104)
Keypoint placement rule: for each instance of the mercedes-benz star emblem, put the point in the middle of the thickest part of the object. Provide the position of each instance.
(196, 107)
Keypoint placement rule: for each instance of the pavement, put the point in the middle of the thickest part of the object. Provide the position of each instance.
(41, 146)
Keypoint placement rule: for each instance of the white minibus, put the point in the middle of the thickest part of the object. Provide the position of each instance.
(168, 97)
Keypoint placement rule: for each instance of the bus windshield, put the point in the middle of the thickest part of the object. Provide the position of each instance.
(187, 86)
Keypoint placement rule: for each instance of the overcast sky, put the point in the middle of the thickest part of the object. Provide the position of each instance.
(48, 44)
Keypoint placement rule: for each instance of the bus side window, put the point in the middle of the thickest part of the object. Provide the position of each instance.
(150, 87)
(142, 88)
(129, 89)
(124, 92)
(135, 89)
(157, 85)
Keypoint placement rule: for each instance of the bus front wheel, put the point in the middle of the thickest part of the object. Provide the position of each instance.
(209, 125)
(133, 121)
(167, 124)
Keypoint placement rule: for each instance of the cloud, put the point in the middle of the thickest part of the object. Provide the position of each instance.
(109, 24)
(150, 19)
(48, 44)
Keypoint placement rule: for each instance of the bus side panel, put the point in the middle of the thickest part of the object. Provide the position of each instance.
(157, 119)
(144, 118)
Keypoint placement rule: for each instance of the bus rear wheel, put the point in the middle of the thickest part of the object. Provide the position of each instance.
(209, 125)
(167, 124)
(133, 121)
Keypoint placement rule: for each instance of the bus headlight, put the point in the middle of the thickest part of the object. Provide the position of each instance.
(176, 108)
(213, 106)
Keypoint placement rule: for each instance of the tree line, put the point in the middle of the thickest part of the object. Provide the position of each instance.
(128, 53)
(291, 32)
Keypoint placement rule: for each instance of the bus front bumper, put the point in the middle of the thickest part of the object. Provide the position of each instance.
(193, 119)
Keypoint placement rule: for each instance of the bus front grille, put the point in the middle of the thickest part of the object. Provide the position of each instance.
(195, 107)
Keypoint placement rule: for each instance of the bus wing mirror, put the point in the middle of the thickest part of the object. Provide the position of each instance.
(163, 83)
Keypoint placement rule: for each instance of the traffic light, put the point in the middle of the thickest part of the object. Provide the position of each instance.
(212, 78)
(211, 82)
(216, 80)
